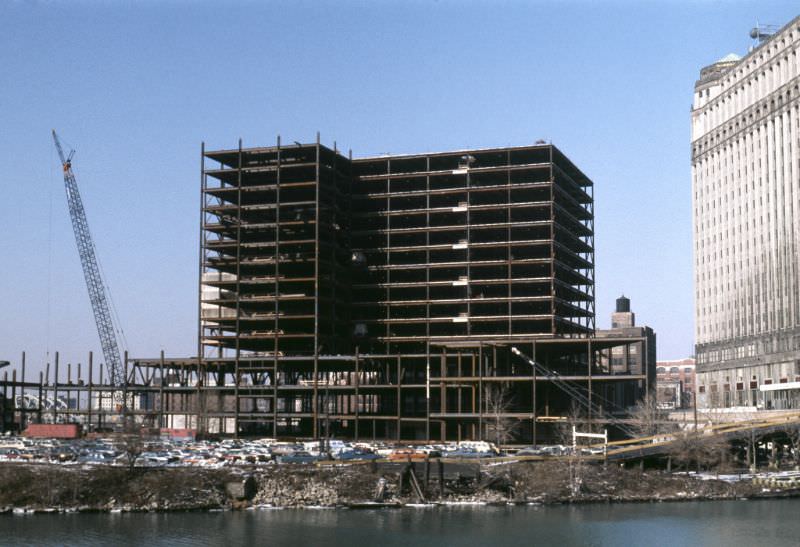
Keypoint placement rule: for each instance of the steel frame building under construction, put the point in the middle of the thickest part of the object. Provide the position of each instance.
(379, 298)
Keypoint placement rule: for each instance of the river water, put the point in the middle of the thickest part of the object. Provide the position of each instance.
(730, 523)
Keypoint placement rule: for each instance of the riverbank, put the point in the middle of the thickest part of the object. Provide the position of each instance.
(45, 488)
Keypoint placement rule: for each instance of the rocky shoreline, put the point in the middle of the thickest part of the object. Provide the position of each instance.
(31, 488)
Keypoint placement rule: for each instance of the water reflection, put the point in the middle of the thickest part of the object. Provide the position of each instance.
(770, 522)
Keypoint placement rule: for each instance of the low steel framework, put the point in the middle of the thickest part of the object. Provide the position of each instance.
(402, 397)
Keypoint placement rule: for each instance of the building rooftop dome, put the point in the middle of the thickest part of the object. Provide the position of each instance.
(730, 57)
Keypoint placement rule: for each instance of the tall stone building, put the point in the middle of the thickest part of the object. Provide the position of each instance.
(746, 201)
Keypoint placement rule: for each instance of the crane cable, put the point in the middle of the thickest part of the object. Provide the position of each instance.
(113, 306)
(49, 258)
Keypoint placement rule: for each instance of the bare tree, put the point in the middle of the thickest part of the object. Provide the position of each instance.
(683, 449)
(575, 420)
(714, 452)
(714, 416)
(647, 419)
(498, 400)
(132, 448)
(793, 434)
(132, 444)
(704, 451)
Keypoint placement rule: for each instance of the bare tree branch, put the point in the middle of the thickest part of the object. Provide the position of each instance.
(648, 420)
(498, 400)
(132, 442)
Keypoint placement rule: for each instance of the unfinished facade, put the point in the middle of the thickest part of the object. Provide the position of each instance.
(380, 297)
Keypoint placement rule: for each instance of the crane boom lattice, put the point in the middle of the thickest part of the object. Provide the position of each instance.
(91, 271)
(575, 393)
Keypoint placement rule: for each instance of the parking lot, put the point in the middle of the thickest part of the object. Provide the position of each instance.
(139, 451)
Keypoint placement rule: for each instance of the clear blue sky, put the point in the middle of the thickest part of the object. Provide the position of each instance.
(136, 87)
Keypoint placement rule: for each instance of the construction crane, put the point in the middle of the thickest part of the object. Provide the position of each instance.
(91, 271)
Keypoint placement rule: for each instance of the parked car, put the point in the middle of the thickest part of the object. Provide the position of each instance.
(382, 449)
(9, 453)
(431, 451)
(355, 455)
(467, 453)
(97, 457)
(556, 450)
(531, 451)
(62, 454)
(300, 456)
(406, 454)
(158, 458)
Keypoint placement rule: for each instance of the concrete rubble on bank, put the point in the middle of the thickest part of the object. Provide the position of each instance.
(36, 488)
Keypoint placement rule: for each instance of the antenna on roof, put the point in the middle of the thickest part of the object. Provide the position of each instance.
(762, 32)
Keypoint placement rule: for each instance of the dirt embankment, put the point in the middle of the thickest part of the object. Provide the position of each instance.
(103, 488)
(43, 487)
(556, 483)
